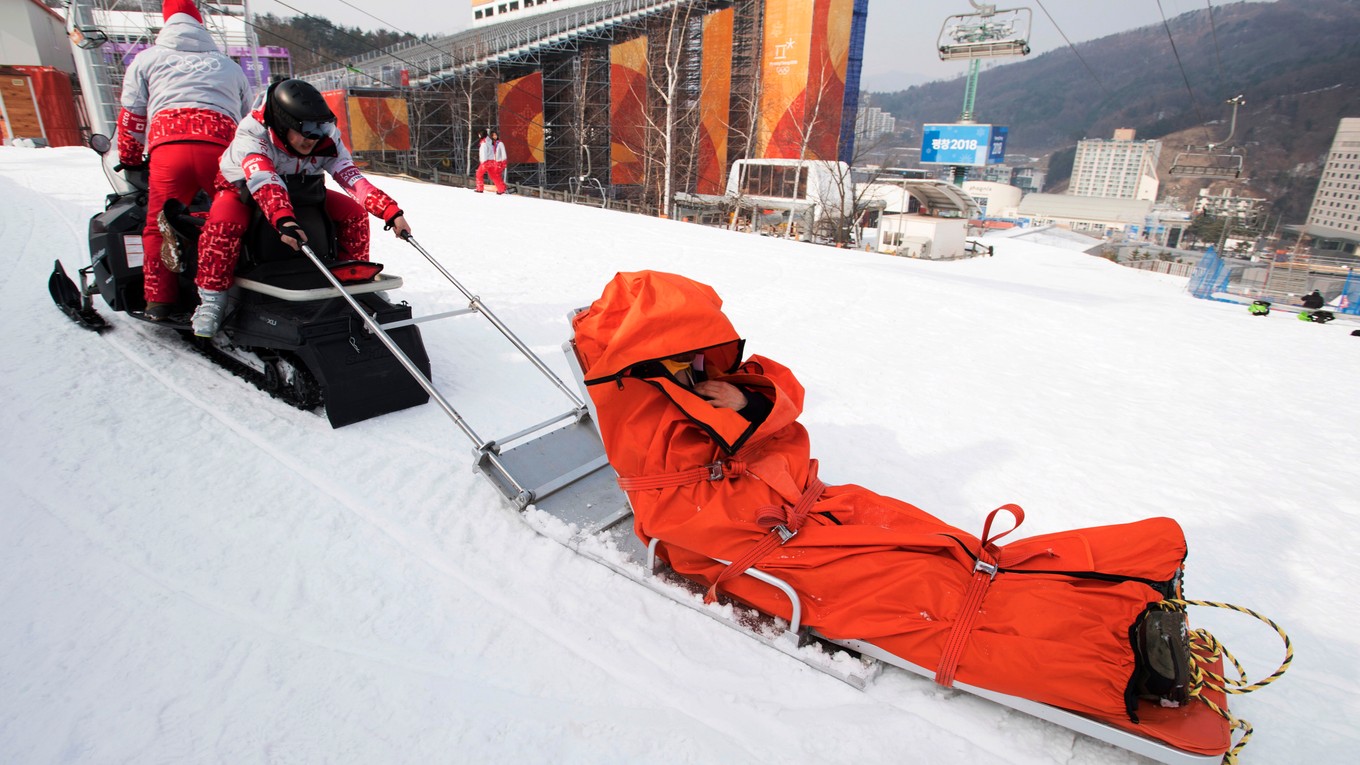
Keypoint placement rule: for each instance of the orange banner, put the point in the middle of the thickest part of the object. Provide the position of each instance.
(520, 103)
(806, 52)
(335, 99)
(379, 124)
(627, 110)
(715, 100)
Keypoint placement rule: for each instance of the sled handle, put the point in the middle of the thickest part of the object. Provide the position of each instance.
(1017, 514)
(476, 304)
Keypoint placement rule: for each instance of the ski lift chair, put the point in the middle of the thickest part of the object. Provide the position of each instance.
(1216, 160)
(1207, 163)
(987, 34)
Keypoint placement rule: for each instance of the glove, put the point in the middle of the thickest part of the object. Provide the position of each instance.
(139, 175)
(291, 233)
(398, 222)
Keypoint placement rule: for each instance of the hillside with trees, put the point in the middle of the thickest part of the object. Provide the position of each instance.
(315, 42)
(1297, 62)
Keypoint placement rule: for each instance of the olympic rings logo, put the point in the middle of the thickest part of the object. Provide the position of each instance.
(195, 64)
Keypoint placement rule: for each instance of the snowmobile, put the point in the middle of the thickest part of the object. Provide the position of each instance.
(290, 328)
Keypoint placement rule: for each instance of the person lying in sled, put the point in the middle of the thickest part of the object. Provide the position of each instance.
(1051, 618)
(688, 370)
(290, 131)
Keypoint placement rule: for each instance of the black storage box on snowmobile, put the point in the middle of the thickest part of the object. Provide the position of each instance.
(359, 377)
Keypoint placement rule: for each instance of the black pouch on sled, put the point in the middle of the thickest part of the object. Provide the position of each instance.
(1161, 649)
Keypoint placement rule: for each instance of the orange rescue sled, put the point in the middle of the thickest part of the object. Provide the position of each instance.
(1059, 619)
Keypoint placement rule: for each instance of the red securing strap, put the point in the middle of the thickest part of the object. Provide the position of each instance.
(711, 472)
(984, 571)
(783, 523)
(732, 467)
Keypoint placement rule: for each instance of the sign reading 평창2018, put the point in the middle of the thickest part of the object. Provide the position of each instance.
(971, 145)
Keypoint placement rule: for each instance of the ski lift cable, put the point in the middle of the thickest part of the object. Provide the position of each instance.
(1070, 45)
(290, 42)
(425, 70)
(396, 28)
(1179, 64)
(1213, 30)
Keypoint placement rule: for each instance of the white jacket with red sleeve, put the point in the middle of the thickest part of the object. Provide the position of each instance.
(180, 89)
(259, 159)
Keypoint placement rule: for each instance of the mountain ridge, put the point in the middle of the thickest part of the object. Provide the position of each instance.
(1297, 62)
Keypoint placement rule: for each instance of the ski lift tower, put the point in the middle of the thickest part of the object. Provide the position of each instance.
(987, 33)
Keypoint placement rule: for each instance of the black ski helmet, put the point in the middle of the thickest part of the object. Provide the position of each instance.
(296, 104)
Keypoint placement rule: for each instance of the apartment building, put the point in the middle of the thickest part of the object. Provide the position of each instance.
(1334, 218)
(1116, 168)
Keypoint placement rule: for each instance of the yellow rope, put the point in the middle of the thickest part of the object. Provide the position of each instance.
(1203, 642)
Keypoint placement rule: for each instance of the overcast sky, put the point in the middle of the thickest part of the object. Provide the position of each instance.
(899, 48)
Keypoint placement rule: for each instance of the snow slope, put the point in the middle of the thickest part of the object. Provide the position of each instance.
(193, 572)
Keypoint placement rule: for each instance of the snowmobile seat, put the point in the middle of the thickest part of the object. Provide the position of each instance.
(297, 279)
(262, 244)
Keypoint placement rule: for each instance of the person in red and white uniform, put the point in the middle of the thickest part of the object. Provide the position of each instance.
(290, 131)
(181, 100)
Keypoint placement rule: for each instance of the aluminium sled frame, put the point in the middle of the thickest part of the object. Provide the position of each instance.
(563, 472)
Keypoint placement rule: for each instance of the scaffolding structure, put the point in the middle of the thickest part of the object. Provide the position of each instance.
(451, 87)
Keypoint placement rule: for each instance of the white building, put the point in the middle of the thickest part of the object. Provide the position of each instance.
(495, 11)
(31, 34)
(993, 199)
(1101, 217)
(1334, 218)
(871, 123)
(916, 217)
(1117, 168)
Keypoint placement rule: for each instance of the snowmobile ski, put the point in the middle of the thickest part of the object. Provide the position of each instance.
(73, 301)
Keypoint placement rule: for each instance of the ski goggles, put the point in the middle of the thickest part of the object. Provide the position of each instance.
(311, 130)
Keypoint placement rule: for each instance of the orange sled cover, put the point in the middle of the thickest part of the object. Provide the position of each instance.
(1051, 623)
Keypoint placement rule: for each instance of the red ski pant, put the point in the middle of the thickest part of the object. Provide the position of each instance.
(177, 171)
(498, 176)
(219, 246)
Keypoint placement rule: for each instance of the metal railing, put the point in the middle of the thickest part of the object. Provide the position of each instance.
(480, 47)
(580, 195)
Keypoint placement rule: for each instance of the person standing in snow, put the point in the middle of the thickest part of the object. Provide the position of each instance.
(483, 160)
(291, 131)
(1314, 300)
(498, 161)
(182, 98)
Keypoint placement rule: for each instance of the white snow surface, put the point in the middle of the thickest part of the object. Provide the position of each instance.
(191, 571)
